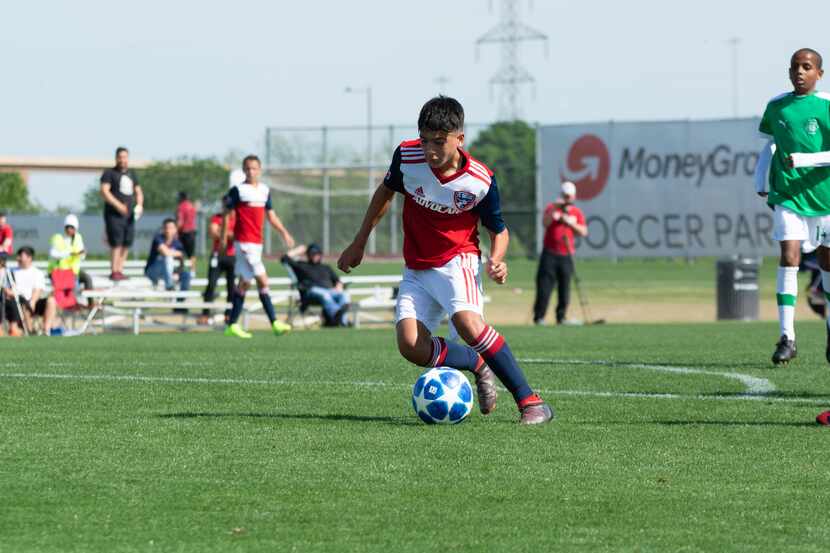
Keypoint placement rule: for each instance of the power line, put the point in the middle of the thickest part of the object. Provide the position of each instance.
(511, 74)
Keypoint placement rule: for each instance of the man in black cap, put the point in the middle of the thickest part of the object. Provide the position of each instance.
(319, 283)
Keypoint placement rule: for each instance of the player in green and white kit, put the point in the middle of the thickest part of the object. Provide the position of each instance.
(797, 155)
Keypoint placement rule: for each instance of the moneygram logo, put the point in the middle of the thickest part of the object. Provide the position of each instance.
(588, 166)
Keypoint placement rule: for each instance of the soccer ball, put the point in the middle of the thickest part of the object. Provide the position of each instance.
(442, 396)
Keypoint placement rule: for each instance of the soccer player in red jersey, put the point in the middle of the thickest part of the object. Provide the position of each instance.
(446, 193)
(251, 203)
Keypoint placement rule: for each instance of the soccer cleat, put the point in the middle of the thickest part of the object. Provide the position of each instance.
(237, 331)
(538, 413)
(823, 418)
(280, 328)
(486, 388)
(785, 351)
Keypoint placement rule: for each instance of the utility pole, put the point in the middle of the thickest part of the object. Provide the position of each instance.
(511, 75)
(734, 42)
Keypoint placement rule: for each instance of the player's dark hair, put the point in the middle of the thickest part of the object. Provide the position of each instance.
(441, 113)
(2, 214)
(28, 250)
(120, 149)
(182, 195)
(819, 59)
(251, 157)
(168, 221)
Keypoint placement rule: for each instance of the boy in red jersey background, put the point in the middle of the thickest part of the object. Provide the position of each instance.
(251, 204)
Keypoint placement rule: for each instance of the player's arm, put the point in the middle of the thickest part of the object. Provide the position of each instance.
(489, 211)
(108, 197)
(378, 206)
(762, 168)
(817, 159)
(496, 266)
(279, 227)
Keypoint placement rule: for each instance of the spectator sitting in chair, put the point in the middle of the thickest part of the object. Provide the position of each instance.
(319, 283)
(66, 251)
(29, 283)
(165, 250)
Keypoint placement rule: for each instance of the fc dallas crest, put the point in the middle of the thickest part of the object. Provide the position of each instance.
(464, 200)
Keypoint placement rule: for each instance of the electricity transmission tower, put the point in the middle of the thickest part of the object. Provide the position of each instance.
(511, 74)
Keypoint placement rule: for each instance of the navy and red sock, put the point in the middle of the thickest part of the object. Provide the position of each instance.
(457, 356)
(237, 301)
(267, 305)
(495, 351)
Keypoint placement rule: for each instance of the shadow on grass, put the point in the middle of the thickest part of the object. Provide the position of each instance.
(789, 424)
(398, 421)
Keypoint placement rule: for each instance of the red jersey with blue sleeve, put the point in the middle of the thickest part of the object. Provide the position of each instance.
(441, 214)
(250, 203)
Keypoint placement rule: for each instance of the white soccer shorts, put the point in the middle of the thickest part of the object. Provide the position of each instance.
(812, 231)
(429, 294)
(248, 262)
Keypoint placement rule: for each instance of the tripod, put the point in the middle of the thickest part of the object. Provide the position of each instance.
(583, 298)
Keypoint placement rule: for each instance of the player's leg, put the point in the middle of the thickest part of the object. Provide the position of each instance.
(246, 274)
(254, 257)
(228, 264)
(418, 314)
(457, 287)
(545, 282)
(789, 229)
(786, 294)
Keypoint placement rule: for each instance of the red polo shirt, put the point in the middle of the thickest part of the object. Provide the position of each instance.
(556, 233)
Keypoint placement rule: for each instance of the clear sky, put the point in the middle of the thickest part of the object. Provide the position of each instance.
(171, 78)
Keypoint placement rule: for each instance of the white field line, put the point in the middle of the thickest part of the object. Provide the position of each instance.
(754, 385)
(754, 396)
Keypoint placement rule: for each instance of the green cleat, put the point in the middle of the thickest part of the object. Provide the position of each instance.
(280, 328)
(236, 330)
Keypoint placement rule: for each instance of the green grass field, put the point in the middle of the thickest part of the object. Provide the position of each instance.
(307, 442)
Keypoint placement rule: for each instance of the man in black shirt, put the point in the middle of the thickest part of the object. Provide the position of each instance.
(319, 283)
(123, 204)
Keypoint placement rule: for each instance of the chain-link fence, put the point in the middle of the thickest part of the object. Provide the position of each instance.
(322, 179)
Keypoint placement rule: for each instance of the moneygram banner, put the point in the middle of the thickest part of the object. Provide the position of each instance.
(680, 188)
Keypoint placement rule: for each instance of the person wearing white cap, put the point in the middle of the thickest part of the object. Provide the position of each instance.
(562, 220)
(67, 250)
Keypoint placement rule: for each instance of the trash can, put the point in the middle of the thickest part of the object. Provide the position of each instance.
(738, 289)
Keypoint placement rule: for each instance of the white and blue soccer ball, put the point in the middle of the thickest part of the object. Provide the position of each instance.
(442, 396)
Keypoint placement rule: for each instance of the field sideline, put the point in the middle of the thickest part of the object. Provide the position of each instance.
(668, 438)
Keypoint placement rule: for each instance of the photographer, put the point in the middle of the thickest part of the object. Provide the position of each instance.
(562, 220)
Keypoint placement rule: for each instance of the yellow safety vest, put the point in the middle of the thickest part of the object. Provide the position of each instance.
(72, 249)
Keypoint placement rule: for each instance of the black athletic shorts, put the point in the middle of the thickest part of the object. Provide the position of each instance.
(11, 308)
(120, 230)
(188, 240)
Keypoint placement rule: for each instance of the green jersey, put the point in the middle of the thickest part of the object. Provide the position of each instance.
(798, 124)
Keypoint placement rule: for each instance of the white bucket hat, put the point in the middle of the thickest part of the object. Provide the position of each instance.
(71, 221)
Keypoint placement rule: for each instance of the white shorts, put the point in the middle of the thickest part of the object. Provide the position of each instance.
(430, 294)
(248, 263)
(812, 231)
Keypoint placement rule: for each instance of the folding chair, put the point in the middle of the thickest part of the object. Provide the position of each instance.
(305, 301)
(63, 290)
